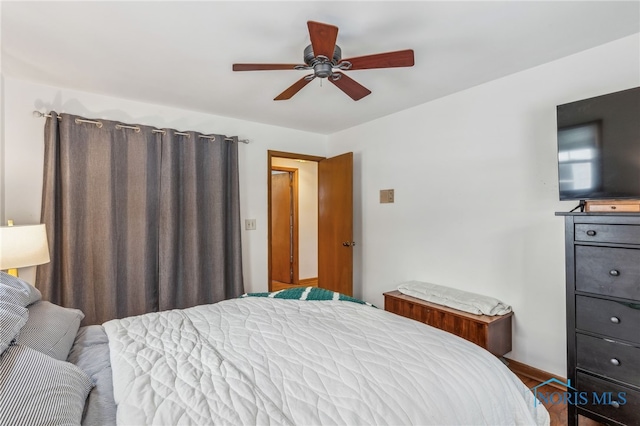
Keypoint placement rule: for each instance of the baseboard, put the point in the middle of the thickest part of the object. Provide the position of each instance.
(535, 374)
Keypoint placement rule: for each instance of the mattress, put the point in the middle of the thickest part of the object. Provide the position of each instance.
(275, 361)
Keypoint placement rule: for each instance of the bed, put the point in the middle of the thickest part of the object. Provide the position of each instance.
(276, 359)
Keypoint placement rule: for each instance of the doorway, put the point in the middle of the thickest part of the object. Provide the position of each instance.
(313, 245)
(293, 220)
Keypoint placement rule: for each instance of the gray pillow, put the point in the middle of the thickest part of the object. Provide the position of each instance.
(50, 329)
(12, 318)
(15, 290)
(90, 352)
(37, 389)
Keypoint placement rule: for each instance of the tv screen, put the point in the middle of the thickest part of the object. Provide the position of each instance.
(599, 147)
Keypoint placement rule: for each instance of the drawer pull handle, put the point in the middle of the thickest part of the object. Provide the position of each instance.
(615, 320)
(591, 233)
(615, 404)
(615, 361)
(614, 273)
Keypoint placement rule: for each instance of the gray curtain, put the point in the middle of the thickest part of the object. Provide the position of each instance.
(200, 221)
(138, 220)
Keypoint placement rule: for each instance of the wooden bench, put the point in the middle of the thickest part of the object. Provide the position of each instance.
(490, 332)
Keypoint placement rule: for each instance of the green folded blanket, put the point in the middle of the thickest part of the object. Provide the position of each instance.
(308, 293)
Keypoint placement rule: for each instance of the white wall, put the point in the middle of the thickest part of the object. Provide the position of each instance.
(2, 219)
(307, 214)
(475, 185)
(24, 152)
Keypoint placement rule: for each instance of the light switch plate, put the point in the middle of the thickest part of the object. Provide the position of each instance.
(386, 196)
(250, 224)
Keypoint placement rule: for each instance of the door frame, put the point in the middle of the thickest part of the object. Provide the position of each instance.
(292, 156)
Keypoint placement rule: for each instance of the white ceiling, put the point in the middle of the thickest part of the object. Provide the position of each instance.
(180, 53)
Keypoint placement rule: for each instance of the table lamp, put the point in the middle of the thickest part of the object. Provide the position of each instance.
(22, 246)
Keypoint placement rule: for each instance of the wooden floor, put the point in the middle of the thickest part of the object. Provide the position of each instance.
(308, 282)
(557, 412)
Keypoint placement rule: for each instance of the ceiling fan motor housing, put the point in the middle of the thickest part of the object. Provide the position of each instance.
(322, 66)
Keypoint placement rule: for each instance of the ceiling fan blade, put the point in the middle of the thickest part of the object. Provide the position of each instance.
(293, 89)
(263, 67)
(401, 58)
(323, 38)
(351, 87)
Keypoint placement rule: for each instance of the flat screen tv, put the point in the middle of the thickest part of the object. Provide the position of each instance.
(599, 147)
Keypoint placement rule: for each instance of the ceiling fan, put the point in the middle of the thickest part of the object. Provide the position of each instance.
(324, 57)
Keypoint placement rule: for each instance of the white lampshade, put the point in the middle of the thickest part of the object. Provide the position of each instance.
(22, 246)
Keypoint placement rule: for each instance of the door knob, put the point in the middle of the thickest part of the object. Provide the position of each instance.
(346, 244)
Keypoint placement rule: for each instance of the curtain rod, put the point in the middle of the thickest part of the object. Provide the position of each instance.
(137, 129)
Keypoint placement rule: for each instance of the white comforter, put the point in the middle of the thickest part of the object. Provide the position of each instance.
(272, 361)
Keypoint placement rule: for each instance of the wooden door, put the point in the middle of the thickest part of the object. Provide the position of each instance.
(335, 223)
(281, 228)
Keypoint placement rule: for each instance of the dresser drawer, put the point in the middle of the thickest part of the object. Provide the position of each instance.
(625, 410)
(608, 271)
(624, 234)
(614, 319)
(608, 358)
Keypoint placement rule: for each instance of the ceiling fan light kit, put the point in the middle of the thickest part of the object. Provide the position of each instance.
(324, 57)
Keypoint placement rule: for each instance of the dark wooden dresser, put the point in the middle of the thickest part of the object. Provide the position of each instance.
(603, 315)
(491, 332)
